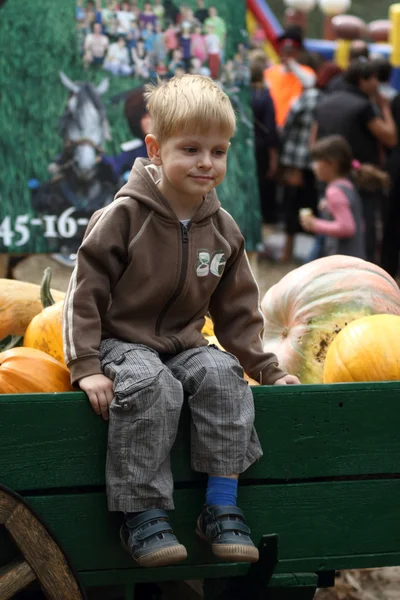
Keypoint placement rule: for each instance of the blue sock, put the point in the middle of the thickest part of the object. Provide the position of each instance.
(222, 491)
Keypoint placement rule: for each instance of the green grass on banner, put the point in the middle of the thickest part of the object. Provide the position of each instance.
(37, 40)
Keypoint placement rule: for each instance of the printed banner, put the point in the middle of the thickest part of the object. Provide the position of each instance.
(73, 118)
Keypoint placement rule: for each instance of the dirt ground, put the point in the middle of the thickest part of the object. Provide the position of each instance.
(367, 584)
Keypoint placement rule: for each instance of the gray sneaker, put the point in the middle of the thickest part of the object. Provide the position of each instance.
(224, 528)
(150, 540)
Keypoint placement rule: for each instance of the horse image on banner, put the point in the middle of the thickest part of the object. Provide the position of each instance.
(88, 68)
(81, 183)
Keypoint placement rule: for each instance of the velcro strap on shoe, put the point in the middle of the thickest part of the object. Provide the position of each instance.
(161, 527)
(227, 511)
(227, 525)
(145, 517)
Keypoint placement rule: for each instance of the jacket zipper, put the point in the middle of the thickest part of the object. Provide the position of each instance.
(182, 277)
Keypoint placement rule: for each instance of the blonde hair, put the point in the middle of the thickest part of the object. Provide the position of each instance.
(187, 102)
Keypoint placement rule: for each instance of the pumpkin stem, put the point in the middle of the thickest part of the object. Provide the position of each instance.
(45, 292)
(11, 342)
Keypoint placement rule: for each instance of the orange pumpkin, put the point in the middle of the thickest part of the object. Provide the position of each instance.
(307, 309)
(366, 350)
(208, 328)
(19, 303)
(44, 332)
(252, 382)
(26, 370)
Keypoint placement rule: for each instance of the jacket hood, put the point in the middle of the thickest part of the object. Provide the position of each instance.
(142, 187)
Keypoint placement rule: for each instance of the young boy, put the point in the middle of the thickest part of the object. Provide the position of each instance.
(150, 267)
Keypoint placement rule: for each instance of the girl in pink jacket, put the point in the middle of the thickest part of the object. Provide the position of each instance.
(342, 221)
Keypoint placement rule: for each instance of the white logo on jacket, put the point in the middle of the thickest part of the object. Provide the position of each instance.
(210, 263)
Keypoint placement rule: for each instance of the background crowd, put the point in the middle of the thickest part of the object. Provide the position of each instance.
(159, 39)
(328, 150)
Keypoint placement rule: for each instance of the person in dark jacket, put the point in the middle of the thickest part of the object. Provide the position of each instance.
(384, 70)
(363, 117)
(390, 250)
(266, 142)
(358, 49)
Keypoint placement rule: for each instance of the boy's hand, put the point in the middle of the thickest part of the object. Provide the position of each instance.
(288, 380)
(99, 389)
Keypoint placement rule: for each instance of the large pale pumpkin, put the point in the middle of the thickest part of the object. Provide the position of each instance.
(307, 309)
(44, 332)
(26, 370)
(19, 303)
(368, 349)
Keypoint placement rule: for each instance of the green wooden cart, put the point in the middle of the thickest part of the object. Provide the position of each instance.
(325, 496)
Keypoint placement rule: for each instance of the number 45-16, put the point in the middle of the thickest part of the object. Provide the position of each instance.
(64, 226)
(7, 233)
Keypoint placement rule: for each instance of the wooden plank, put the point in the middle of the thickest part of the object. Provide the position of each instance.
(122, 576)
(161, 574)
(295, 580)
(291, 593)
(306, 432)
(15, 577)
(165, 574)
(321, 526)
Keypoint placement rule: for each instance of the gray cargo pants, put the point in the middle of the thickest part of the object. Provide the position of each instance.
(144, 417)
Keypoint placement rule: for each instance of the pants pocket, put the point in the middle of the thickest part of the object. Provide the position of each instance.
(130, 393)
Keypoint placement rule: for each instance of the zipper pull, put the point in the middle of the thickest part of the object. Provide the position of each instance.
(185, 234)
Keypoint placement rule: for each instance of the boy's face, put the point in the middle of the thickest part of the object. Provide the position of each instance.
(192, 164)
